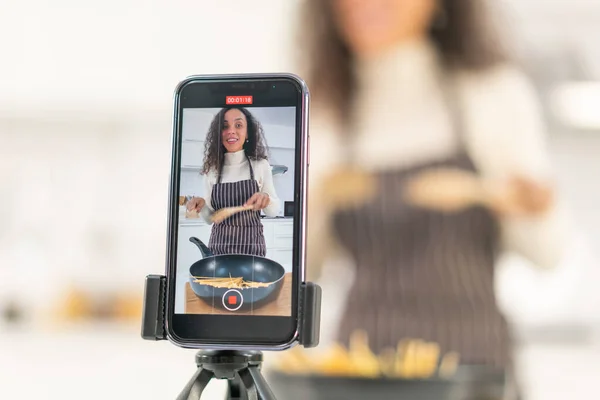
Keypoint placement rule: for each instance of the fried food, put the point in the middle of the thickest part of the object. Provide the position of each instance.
(449, 365)
(337, 362)
(230, 283)
(361, 355)
(411, 359)
(295, 361)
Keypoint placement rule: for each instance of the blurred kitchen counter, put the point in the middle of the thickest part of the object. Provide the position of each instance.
(112, 361)
(103, 361)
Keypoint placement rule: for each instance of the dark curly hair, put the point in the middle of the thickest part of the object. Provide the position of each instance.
(214, 151)
(466, 40)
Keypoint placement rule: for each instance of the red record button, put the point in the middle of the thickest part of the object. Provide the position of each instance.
(232, 300)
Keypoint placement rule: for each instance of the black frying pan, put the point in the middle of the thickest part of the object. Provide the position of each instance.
(251, 268)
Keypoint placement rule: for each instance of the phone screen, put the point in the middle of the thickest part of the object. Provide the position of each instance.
(236, 221)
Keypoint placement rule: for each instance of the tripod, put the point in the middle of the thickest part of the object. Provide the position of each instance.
(240, 367)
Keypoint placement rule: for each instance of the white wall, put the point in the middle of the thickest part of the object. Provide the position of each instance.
(534, 28)
(547, 35)
(128, 54)
(85, 129)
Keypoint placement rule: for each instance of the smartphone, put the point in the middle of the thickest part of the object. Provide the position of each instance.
(235, 257)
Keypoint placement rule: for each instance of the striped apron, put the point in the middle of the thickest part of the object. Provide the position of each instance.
(242, 233)
(423, 274)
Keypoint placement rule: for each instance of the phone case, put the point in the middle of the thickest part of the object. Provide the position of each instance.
(300, 269)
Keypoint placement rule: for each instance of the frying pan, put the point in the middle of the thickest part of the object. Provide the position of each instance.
(251, 268)
(470, 382)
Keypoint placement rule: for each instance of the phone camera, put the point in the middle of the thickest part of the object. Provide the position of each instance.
(274, 86)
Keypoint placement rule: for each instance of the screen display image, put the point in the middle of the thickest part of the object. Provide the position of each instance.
(235, 228)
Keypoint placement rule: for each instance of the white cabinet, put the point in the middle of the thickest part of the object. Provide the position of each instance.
(282, 256)
(196, 122)
(194, 129)
(279, 136)
(279, 234)
(192, 154)
(283, 234)
(187, 254)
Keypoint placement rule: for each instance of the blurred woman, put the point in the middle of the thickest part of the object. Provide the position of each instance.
(399, 88)
(237, 173)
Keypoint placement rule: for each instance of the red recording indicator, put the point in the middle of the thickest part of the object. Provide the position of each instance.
(232, 300)
(238, 100)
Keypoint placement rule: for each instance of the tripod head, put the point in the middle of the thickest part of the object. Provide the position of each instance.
(240, 368)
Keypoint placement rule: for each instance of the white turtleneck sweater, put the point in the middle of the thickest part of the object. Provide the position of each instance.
(400, 119)
(235, 169)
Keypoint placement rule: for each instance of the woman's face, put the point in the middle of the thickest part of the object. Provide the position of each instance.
(370, 26)
(235, 130)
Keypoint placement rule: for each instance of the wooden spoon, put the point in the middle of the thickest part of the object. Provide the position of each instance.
(224, 213)
(347, 188)
(450, 190)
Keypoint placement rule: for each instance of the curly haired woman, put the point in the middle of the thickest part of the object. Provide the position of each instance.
(237, 173)
(403, 89)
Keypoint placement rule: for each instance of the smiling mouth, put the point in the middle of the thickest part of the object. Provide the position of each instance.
(232, 140)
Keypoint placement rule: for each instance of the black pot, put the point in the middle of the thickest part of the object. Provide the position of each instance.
(470, 383)
(251, 268)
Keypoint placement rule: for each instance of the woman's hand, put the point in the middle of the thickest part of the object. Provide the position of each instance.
(195, 204)
(259, 201)
(523, 197)
(453, 190)
(346, 188)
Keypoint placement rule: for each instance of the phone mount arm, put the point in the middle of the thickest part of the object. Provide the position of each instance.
(153, 314)
(240, 368)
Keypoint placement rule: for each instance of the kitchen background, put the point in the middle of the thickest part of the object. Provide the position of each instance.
(278, 125)
(85, 114)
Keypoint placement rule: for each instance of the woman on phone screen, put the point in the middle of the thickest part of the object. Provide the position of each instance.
(237, 173)
(399, 88)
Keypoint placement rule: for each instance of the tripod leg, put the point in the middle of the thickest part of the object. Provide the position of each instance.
(194, 388)
(235, 390)
(255, 384)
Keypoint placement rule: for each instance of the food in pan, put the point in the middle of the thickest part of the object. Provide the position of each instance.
(230, 283)
(411, 359)
(449, 364)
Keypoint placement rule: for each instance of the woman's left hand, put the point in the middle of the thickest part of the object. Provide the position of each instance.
(259, 201)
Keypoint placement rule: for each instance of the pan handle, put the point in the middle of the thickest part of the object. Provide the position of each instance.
(203, 249)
